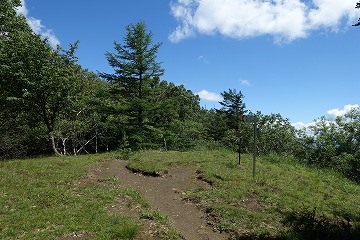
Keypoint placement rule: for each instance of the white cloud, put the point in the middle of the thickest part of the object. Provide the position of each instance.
(209, 96)
(244, 82)
(334, 113)
(285, 20)
(22, 10)
(301, 125)
(37, 27)
(203, 59)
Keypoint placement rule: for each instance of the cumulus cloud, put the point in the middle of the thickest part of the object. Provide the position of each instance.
(209, 96)
(334, 113)
(285, 20)
(36, 25)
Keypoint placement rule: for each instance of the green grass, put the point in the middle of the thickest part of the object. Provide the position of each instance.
(123, 228)
(155, 215)
(166, 231)
(147, 168)
(41, 199)
(135, 198)
(260, 206)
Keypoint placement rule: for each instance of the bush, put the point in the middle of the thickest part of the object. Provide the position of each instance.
(342, 162)
(308, 224)
(354, 172)
(348, 164)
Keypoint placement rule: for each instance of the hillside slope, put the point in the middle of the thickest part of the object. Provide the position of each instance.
(87, 197)
(284, 200)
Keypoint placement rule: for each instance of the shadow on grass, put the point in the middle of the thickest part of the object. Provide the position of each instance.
(259, 237)
(308, 224)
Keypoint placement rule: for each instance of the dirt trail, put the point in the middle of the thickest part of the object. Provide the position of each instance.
(165, 193)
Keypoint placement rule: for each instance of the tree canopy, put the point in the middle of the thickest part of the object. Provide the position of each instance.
(233, 106)
(136, 68)
(38, 83)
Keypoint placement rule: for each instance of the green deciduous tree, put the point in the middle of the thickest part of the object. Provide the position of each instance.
(215, 124)
(176, 116)
(334, 144)
(82, 127)
(52, 90)
(35, 78)
(16, 53)
(275, 135)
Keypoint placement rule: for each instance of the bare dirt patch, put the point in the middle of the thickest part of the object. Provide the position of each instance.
(165, 194)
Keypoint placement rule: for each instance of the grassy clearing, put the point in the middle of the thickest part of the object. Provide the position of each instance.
(39, 199)
(43, 199)
(270, 204)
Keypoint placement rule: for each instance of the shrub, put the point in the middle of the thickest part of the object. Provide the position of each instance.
(308, 224)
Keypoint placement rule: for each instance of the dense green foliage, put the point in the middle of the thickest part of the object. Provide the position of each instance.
(50, 104)
(335, 144)
(38, 83)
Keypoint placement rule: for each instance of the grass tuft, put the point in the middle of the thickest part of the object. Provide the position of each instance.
(155, 215)
(124, 228)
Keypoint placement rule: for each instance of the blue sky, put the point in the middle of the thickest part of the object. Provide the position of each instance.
(294, 57)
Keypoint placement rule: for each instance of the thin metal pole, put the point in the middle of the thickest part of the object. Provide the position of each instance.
(239, 151)
(254, 161)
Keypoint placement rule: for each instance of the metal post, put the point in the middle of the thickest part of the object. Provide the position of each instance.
(254, 161)
(239, 151)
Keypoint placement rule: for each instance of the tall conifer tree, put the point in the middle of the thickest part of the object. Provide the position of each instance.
(136, 70)
(234, 107)
(135, 81)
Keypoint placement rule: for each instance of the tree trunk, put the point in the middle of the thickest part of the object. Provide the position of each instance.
(52, 142)
(64, 145)
(140, 109)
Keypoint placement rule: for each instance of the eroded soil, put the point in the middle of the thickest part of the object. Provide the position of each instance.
(165, 194)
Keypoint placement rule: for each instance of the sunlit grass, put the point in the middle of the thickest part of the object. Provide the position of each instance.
(45, 198)
(239, 202)
(41, 199)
